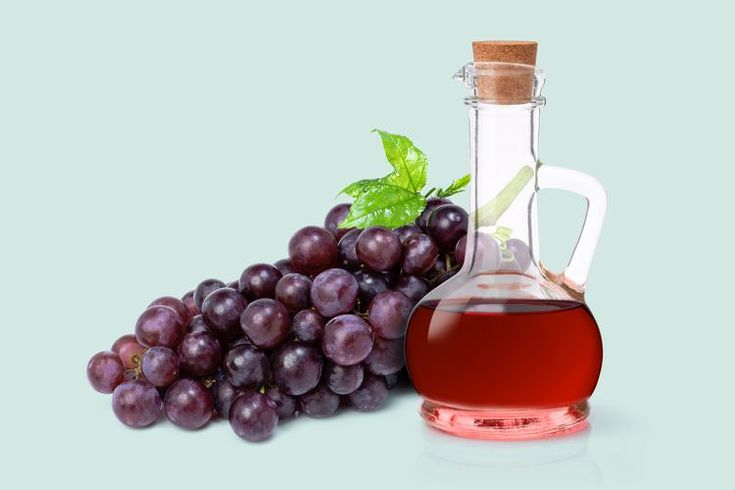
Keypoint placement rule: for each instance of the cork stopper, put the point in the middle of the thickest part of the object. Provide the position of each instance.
(504, 70)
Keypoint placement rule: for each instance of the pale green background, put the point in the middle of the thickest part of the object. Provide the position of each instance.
(146, 145)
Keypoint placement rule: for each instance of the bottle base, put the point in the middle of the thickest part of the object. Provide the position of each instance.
(507, 424)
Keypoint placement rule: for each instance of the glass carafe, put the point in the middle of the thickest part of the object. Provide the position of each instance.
(507, 349)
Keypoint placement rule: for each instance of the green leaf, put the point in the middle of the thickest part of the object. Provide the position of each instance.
(360, 187)
(455, 187)
(409, 163)
(384, 205)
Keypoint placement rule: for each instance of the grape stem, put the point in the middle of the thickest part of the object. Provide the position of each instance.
(490, 212)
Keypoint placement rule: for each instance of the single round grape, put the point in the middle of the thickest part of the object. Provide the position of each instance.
(136, 403)
(460, 250)
(307, 326)
(221, 311)
(347, 251)
(447, 224)
(160, 366)
(334, 291)
(343, 380)
(391, 380)
(286, 405)
(293, 291)
(431, 204)
(320, 402)
(387, 357)
(413, 287)
(175, 304)
(188, 300)
(419, 254)
(266, 323)
(234, 285)
(105, 371)
(200, 353)
(284, 266)
(521, 253)
(197, 324)
(334, 217)
(188, 404)
(388, 314)
(378, 248)
(129, 350)
(370, 284)
(159, 325)
(487, 254)
(203, 289)
(246, 367)
(253, 416)
(370, 395)
(224, 393)
(259, 281)
(297, 367)
(406, 231)
(312, 250)
(347, 340)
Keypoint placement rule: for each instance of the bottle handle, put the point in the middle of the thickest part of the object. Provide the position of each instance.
(574, 276)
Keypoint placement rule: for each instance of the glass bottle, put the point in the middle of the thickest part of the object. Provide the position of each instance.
(506, 349)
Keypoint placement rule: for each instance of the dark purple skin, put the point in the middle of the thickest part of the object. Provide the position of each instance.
(136, 403)
(312, 249)
(286, 405)
(307, 326)
(293, 291)
(234, 285)
(343, 380)
(431, 204)
(460, 250)
(439, 270)
(391, 380)
(388, 314)
(387, 356)
(419, 254)
(175, 304)
(370, 284)
(188, 404)
(160, 366)
(204, 288)
(413, 287)
(334, 292)
(371, 395)
(259, 281)
(378, 248)
(319, 403)
(197, 324)
(105, 371)
(405, 231)
(284, 266)
(334, 217)
(224, 393)
(347, 251)
(221, 311)
(246, 366)
(347, 340)
(159, 325)
(253, 416)
(129, 350)
(297, 367)
(188, 300)
(200, 353)
(447, 224)
(266, 323)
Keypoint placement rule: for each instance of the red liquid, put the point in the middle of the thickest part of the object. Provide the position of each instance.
(504, 353)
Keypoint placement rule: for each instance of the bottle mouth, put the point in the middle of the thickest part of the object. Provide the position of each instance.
(502, 84)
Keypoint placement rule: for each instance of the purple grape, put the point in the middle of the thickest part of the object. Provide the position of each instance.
(334, 217)
(266, 323)
(447, 224)
(259, 281)
(223, 394)
(405, 231)
(386, 357)
(129, 350)
(204, 288)
(419, 254)
(441, 269)
(334, 291)
(370, 284)
(392, 276)
(197, 324)
(286, 405)
(487, 255)
(160, 366)
(521, 254)
(431, 204)
(307, 326)
(312, 250)
(293, 291)
(188, 300)
(347, 251)
(284, 266)
(221, 311)
(136, 403)
(297, 367)
(320, 402)
(246, 367)
(370, 395)
(391, 380)
(253, 416)
(159, 325)
(388, 314)
(347, 340)
(188, 404)
(200, 353)
(175, 304)
(460, 250)
(378, 248)
(343, 380)
(414, 287)
(105, 371)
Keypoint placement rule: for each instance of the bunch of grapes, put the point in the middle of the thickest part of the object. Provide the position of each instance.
(308, 334)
